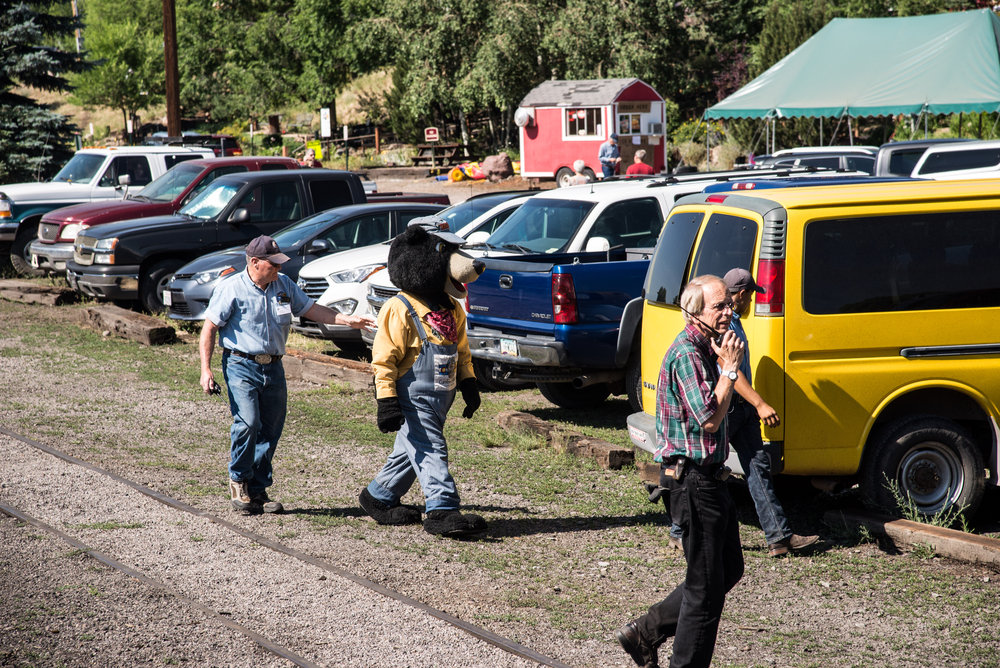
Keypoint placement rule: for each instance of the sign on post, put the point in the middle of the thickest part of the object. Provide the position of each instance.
(431, 134)
(324, 123)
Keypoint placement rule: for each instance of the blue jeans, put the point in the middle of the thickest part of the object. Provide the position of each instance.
(258, 398)
(691, 613)
(607, 170)
(744, 436)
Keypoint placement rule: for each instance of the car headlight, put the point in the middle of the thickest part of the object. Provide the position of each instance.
(345, 306)
(70, 231)
(5, 207)
(104, 251)
(203, 277)
(355, 275)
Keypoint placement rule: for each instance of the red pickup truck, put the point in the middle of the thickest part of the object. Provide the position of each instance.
(163, 196)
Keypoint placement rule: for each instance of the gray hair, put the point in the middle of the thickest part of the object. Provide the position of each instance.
(693, 295)
(640, 154)
(578, 165)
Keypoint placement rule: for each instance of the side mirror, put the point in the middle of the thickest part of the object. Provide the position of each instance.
(239, 216)
(318, 247)
(125, 180)
(477, 237)
(598, 245)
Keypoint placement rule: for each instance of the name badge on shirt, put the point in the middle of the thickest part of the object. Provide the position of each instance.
(282, 309)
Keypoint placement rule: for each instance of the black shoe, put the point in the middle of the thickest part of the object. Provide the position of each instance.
(266, 504)
(631, 641)
(453, 524)
(396, 515)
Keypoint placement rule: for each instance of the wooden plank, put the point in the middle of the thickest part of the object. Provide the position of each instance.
(323, 369)
(607, 455)
(114, 320)
(17, 290)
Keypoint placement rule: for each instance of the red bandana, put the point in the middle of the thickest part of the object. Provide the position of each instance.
(443, 323)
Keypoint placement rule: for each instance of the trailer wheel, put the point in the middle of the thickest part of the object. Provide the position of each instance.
(565, 395)
(563, 177)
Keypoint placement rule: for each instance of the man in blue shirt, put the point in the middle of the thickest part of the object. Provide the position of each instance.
(609, 156)
(252, 312)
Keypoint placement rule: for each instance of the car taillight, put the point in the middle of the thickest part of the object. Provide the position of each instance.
(563, 299)
(771, 277)
(717, 198)
(5, 208)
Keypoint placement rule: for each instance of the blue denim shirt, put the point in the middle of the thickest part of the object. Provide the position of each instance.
(607, 152)
(252, 320)
(737, 327)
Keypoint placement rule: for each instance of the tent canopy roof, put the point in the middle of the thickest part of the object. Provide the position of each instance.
(939, 64)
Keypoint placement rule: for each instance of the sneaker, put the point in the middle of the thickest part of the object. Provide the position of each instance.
(793, 542)
(266, 504)
(453, 524)
(631, 641)
(240, 496)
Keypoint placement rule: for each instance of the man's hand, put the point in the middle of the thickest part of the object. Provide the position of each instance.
(768, 415)
(470, 393)
(390, 415)
(207, 381)
(357, 321)
(730, 351)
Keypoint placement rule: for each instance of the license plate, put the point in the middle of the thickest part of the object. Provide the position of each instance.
(508, 347)
(34, 261)
(166, 298)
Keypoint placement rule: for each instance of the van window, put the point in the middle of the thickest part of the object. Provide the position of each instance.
(172, 159)
(902, 161)
(902, 263)
(948, 161)
(632, 223)
(727, 242)
(330, 193)
(665, 277)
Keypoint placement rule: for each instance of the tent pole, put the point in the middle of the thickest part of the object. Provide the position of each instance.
(850, 132)
(820, 130)
(925, 125)
(960, 125)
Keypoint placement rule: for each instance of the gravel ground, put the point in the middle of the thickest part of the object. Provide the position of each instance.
(570, 556)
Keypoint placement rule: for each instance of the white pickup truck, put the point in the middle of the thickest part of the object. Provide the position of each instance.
(91, 174)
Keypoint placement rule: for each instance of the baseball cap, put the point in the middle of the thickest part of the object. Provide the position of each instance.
(266, 248)
(740, 279)
(614, 135)
(438, 227)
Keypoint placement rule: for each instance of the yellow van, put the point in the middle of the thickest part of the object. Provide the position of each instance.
(877, 339)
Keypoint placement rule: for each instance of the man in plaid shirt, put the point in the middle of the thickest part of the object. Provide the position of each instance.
(693, 395)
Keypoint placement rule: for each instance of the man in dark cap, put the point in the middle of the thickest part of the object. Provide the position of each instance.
(748, 411)
(609, 156)
(252, 312)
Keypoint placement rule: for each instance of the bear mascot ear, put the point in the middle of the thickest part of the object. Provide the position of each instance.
(418, 264)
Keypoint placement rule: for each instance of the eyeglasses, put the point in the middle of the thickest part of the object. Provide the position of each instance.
(722, 306)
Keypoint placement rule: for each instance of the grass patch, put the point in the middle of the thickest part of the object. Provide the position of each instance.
(110, 525)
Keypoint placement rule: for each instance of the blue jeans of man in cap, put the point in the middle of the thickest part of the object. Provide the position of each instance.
(744, 437)
(258, 397)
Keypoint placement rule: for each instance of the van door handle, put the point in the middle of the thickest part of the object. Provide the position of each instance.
(506, 281)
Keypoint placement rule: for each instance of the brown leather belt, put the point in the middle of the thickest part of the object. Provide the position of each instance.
(259, 359)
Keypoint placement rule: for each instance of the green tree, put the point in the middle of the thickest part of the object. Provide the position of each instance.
(34, 140)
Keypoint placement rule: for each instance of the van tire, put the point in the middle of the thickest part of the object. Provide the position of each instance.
(20, 256)
(633, 380)
(933, 461)
(152, 284)
(565, 395)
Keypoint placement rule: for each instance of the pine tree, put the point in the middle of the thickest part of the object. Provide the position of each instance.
(34, 140)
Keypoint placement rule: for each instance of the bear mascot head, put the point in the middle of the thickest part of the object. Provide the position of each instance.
(425, 261)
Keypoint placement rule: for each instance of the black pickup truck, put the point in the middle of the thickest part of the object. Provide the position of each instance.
(134, 259)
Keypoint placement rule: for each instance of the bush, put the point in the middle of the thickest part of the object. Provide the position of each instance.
(692, 153)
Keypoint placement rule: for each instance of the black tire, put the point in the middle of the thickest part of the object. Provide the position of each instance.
(563, 176)
(931, 460)
(151, 284)
(565, 395)
(633, 380)
(20, 257)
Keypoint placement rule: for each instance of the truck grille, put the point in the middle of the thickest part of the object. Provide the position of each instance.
(378, 296)
(48, 231)
(83, 250)
(313, 287)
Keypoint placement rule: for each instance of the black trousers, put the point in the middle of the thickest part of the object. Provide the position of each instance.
(690, 614)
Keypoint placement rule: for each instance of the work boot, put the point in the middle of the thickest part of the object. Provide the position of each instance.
(266, 504)
(632, 642)
(240, 497)
(382, 513)
(793, 542)
(453, 524)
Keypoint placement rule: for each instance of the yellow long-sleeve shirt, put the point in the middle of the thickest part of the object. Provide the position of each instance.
(397, 343)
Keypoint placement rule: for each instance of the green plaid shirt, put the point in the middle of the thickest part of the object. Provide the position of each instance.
(685, 400)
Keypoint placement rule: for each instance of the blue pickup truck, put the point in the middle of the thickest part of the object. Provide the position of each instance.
(565, 313)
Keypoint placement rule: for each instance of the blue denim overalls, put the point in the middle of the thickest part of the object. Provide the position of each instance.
(426, 392)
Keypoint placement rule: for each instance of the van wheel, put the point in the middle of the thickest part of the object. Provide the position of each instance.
(565, 395)
(563, 177)
(151, 285)
(20, 256)
(633, 380)
(931, 461)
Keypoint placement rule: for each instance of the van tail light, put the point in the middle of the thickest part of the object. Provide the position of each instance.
(771, 277)
(563, 299)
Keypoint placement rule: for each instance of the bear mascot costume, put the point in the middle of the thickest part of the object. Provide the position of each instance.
(419, 356)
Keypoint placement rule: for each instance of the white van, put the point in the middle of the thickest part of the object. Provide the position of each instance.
(963, 160)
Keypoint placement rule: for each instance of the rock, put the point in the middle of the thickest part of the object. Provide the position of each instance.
(497, 167)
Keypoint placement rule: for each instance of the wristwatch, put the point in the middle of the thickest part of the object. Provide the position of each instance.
(732, 375)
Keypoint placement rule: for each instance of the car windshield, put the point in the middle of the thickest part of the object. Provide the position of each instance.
(81, 168)
(541, 225)
(295, 235)
(459, 215)
(169, 186)
(211, 201)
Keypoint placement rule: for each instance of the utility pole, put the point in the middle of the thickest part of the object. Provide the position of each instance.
(170, 60)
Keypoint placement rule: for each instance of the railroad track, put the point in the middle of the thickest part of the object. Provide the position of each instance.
(42, 485)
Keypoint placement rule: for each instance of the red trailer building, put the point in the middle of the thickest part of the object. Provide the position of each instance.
(563, 121)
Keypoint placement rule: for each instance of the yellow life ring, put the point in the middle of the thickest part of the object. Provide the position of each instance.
(455, 175)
